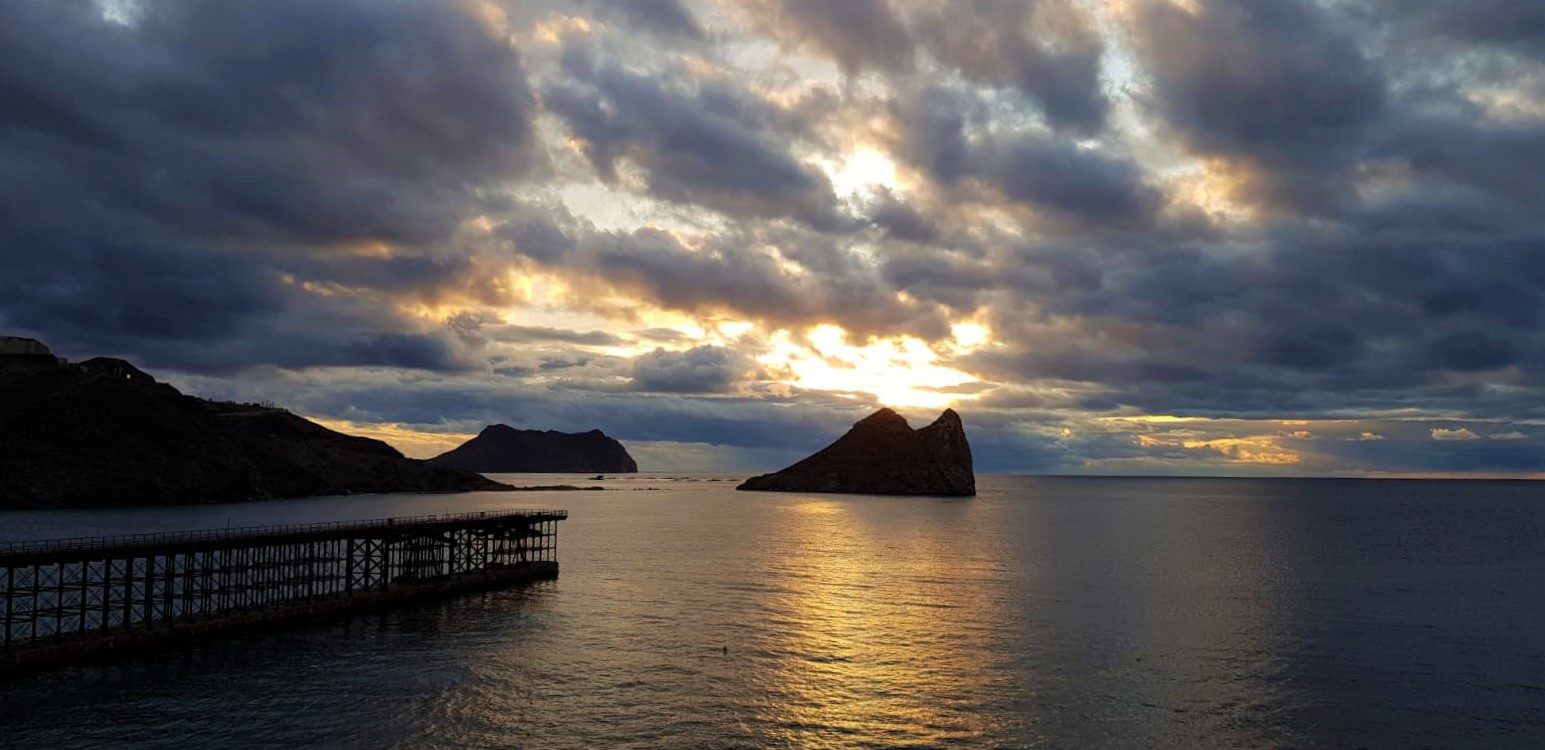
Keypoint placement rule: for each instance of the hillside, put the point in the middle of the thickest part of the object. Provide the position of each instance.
(104, 433)
(502, 449)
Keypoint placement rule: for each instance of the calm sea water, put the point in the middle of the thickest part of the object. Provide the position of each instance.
(1119, 613)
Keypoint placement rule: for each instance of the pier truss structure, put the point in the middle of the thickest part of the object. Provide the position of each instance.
(71, 597)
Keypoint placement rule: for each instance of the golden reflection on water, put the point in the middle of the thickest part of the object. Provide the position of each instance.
(1045, 612)
(863, 643)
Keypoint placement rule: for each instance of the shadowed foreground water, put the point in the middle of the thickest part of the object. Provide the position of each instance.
(1046, 612)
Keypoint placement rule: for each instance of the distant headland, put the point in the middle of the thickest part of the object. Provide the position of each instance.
(503, 449)
(883, 455)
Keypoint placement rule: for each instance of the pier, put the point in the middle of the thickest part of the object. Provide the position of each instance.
(84, 599)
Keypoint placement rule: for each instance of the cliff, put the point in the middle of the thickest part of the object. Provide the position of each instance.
(883, 455)
(502, 449)
(104, 433)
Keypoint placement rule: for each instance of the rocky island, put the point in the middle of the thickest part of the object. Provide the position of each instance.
(883, 455)
(104, 433)
(505, 450)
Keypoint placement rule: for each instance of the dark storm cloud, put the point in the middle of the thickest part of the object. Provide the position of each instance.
(400, 350)
(1412, 283)
(856, 34)
(160, 176)
(1269, 209)
(943, 135)
(1311, 322)
(1077, 184)
(725, 276)
(551, 364)
(947, 278)
(1506, 24)
(93, 290)
(713, 147)
(934, 131)
(535, 334)
(1463, 151)
(901, 221)
(403, 276)
(281, 118)
(1276, 86)
(1049, 51)
(703, 369)
(172, 306)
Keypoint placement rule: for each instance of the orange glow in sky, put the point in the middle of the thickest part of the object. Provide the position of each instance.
(899, 371)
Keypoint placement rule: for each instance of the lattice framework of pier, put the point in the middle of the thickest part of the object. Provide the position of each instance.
(61, 589)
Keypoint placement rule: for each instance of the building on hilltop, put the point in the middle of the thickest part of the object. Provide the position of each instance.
(116, 369)
(20, 354)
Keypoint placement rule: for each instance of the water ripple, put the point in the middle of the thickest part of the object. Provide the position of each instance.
(1044, 613)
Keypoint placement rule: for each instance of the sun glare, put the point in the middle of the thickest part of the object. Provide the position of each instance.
(121, 12)
(412, 442)
(864, 170)
(969, 335)
(899, 371)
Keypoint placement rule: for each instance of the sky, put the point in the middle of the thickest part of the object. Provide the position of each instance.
(1152, 237)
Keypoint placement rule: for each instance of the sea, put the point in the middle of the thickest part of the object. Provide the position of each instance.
(1046, 612)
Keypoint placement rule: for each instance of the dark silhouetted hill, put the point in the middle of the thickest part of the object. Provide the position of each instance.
(883, 455)
(502, 449)
(104, 433)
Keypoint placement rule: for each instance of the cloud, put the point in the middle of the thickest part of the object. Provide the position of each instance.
(164, 180)
(1230, 214)
(1055, 175)
(666, 17)
(712, 147)
(1048, 51)
(722, 277)
(703, 369)
(933, 124)
(1279, 88)
(1461, 433)
(512, 334)
(856, 34)
(1068, 181)
(407, 351)
(899, 220)
(1511, 26)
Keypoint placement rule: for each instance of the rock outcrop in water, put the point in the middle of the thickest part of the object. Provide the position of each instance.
(503, 449)
(883, 455)
(104, 433)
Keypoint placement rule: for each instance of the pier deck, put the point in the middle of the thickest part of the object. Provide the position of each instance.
(66, 600)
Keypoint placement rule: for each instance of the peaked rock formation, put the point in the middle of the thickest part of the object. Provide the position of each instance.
(503, 449)
(882, 455)
(104, 433)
